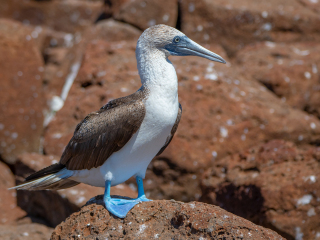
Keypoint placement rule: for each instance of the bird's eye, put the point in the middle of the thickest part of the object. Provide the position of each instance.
(176, 40)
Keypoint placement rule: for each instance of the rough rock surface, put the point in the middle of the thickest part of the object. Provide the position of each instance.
(291, 71)
(9, 211)
(145, 13)
(275, 185)
(55, 206)
(67, 16)
(234, 24)
(31, 231)
(61, 52)
(111, 31)
(159, 220)
(21, 95)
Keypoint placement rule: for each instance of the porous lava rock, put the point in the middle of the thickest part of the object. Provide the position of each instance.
(145, 13)
(9, 210)
(67, 16)
(21, 96)
(29, 231)
(234, 24)
(291, 71)
(111, 30)
(274, 184)
(159, 220)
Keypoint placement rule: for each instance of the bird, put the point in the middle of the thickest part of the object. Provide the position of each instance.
(119, 141)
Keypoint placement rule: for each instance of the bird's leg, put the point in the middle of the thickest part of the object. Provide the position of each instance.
(117, 206)
(120, 207)
(141, 195)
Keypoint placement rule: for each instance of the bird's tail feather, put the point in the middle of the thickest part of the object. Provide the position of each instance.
(54, 177)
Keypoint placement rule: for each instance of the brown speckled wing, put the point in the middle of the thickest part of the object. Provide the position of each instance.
(173, 131)
(104, 132)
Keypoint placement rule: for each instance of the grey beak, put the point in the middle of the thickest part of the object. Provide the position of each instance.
(194, 49)
(187, 47)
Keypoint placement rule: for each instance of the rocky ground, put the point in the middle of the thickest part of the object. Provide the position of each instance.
(249, 136)
(160, 219)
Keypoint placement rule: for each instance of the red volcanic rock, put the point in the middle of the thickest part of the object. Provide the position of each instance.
(67, 16)
(21, 32)
(275, 184)
(291, 71)
(145, 13)
(31, 231)
(159, 220)
(9, 211)
(313, 5)
(21, 96)
(55, 206)
(111, 31)
(63, 52)
(234, 24)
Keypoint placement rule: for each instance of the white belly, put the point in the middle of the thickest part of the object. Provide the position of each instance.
(134, 158)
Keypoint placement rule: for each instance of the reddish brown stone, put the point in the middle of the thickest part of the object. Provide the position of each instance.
(60, 64)
(21, 96)
(291, 71)
(55, 206)
(9, 211)
(31, 231)
(62, 56)
(273, 184)
(67, 16)
(235, 24)
(112, 31)
(313, 5)
(146, 13)
(160, 219)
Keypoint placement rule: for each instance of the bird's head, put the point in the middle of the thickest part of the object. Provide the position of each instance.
(173, 42)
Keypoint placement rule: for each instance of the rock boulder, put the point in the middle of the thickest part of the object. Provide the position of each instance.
(274, 184)
(9, 210)
(291, 71)
(234, 24)
(159, 220)
(30, 231)
(21, 95)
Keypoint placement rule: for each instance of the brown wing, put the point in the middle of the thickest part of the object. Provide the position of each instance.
(104, 132)
(173, 131)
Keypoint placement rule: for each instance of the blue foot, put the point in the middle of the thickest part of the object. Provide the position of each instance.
(120, 207)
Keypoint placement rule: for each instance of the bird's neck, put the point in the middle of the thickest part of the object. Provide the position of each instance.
(157, 73)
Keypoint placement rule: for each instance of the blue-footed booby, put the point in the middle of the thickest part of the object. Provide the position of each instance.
(119, 141)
